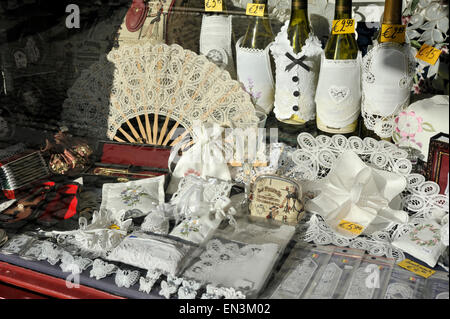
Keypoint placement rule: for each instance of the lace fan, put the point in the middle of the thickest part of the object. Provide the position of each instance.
(143, 93)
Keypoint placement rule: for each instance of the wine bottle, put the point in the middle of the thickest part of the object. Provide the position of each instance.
(341, 47)
(259, 31)
(298, 31)
(385, 82)
(255, 67)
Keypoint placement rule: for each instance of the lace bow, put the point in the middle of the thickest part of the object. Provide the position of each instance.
(354, 195)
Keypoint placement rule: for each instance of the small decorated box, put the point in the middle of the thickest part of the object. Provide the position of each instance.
(438, 157)
(277, 198)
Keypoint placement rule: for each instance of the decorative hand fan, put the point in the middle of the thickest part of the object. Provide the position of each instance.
(137, 92)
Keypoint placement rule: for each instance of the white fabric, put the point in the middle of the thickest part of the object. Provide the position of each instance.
(215, 41)
(226, 263)
(307, 80)
(356, 193)
(387, 77)
(423, 242)
(338, 94)
(150, 252)
(255, 73)
(142, 195)
(206, 158)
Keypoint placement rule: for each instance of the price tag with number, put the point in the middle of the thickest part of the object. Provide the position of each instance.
(393, 33)
(343, 26)
(416, 268)
(428, 54)
(351, 227)
(255, 9)
(213, 5)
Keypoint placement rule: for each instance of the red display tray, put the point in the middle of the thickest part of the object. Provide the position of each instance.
(45, 285)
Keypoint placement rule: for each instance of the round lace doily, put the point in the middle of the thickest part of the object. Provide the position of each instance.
(313, 161)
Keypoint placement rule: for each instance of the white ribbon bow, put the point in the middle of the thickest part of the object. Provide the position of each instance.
(358, 194)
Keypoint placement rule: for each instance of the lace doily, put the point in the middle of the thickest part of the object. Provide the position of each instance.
(153, 79)
(313, 161)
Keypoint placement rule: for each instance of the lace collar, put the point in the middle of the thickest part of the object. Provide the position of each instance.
(312, 46)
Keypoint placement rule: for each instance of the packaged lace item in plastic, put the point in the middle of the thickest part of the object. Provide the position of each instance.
(235, 265)
(254, 231)
(296, 77)
(404, 284)
(33, 250)
(17, 244)
(215, 41)
(436, 286)
(338, 97)
(422, 242)
(152, 252)
(334, 279)
(386, 89)
(297, 272)
(142, 195)
(255, 73)
(371, 278)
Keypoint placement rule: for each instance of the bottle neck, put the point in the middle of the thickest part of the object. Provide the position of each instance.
(343, 9)
(392, 12)
(299, 11)
(259, 31)
(298, 29)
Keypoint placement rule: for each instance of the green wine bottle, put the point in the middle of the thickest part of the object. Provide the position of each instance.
(342, 46)
(298, 31)
(259, 31)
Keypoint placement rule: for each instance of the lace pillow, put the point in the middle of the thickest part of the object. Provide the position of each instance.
(423, 242)
(142, 195)
(243, 267)
(150, 252)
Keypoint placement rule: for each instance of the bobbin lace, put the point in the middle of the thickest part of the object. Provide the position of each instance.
(169, 286)
(146, 283)
(126, 278)
(101, 269)
(188, 289)
(74, 264)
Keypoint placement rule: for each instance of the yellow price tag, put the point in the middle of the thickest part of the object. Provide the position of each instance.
(255, 9)
(343, 26)
(114, 226)
(393, 33)
(213, 5)
(416, 268)
(428, 54)
(351, 227)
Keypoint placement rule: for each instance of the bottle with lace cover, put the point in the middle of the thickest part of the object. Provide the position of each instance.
(299, 69)
(342, 55)
(217, 37)
(386, 76)
(253, 62)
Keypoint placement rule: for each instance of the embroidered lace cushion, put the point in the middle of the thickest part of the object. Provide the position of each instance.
(255, 73)
(215, 41)
(197, 229)
(142, 195)
(243, 267)
(423, 242)
(295, 82)
(150, 252)
(387, 71)
(338, 94)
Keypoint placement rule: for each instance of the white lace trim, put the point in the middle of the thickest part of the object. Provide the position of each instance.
(126, 278)
(378, 112)
(101, 269)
